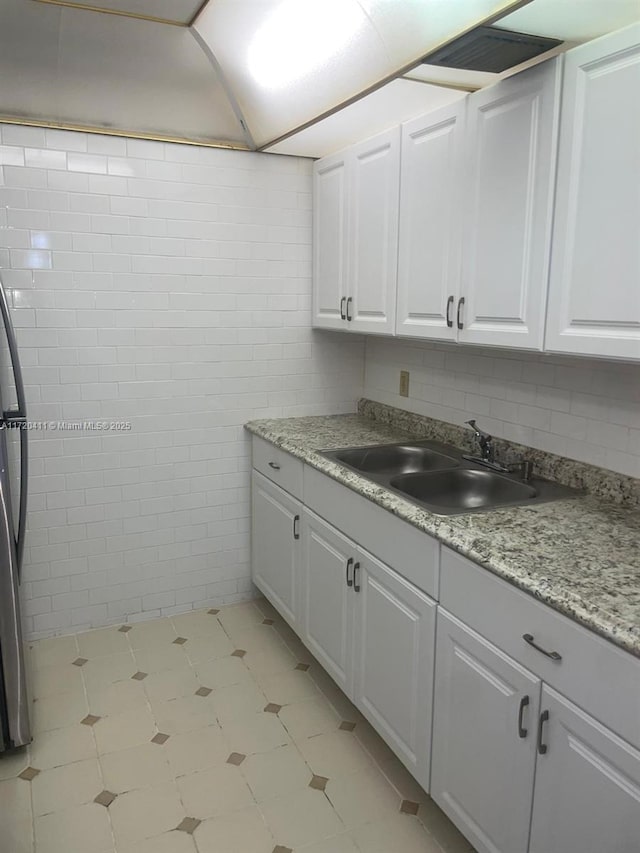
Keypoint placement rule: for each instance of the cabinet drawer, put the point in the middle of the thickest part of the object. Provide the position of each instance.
(599, 677)
(278, 465)
(412, 553)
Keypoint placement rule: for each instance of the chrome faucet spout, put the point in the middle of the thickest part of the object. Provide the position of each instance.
(484, 440)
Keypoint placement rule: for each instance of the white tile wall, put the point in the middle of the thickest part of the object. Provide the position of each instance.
(167, 286)
(580, 408)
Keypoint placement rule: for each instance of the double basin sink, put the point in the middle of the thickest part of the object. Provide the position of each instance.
(439, 478)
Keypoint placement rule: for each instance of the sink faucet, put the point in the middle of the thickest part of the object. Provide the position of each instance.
(484, 440)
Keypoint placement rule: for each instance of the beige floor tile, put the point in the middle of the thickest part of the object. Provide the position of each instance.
(145, 813)
(63, 746)
(139, 767)
(109, 669)
(146, 635)
(337, 844)
(198, 624)
(310, 717)
(162, 657)
(253, 637)
(222, 672)
(199, 750)
(52, 680)
(17, 835)
(53, 652)
(238, 700)
(255, 733)
(169, 842)
(404, 783)
(362, 796)
(441, 828)
(66, 786)
(301, 818)
(287, 687)
(240, 616)
(187, 714)
(401, 833)
(240, 832)
(15, 801)
(12, 763)
(56, 712)
(106, 641)
(122, 731)
(276, 773)
(214, 792)
(105, 700)
(334, 754)
(270, 660)
(171, 684)
(370, 740)
(84, 829)
(203, 649)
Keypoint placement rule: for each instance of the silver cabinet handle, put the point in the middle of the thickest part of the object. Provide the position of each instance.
(542, 747)
(522, 732)
(459, 322)
(349, 564)
(356, 574)
(529, 638)
(274, 465)
(449, 304)
(349, 316)
(343, 316)
(296, 523)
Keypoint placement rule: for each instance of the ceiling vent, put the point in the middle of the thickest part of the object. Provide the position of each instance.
(490, 49)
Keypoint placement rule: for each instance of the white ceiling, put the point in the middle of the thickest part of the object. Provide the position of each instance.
(280, 65)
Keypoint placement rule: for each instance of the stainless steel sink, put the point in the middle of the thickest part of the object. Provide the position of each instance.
(463, 489)
(395, 459)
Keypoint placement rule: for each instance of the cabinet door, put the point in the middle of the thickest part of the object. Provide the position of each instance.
(594, 296)
(484, 734)
(429, 241)
(512, 135)
(373, 233)
(393, 661)
(330, 241)
(275, 545)
(587, 793)
(327, 599)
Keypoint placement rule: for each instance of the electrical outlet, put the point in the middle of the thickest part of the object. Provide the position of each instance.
(404, 383)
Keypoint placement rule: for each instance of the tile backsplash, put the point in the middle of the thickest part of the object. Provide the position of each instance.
(168, 286)
(584, 409)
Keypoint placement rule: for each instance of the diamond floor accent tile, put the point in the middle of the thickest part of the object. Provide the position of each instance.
(203, 691)
(79, 662)
(238, 653)
(189, 824)
(319, 783)
(272, 708)
(347, 726)
(28, 774)
(160, 738)
(105, 798)
(139, 676)
(180, 641)
(280, 849)
(90, 720)
(409, 807)
(236, 758)
(124, 629)
(213, 612)
(303, 667)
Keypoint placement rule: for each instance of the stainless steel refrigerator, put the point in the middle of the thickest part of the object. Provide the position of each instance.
(14, 704)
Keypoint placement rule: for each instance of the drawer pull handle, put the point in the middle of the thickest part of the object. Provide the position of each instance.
(459, 322)
(449, 304)
(349, 315)
(356, 574)
(522, 732)
(274, 465)
(343, 316)
(296, 531)
(529, 638)
(542, 747)
(349, 564)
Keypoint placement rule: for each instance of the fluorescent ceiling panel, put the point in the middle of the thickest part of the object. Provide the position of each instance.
(288, 61)
(452, 76)
(387, 107)
(573, 20)
(179, 11)
(75, 67)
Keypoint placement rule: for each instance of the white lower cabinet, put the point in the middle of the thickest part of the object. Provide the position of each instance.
(484, 735)
(275, 545)
(587, 792)
(393, 661)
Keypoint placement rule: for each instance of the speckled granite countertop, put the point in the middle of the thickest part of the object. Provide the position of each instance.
(580, 556)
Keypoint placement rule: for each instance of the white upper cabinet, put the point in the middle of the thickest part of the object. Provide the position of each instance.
(507, 208)
(429, 234)
(330, 218)
(373, 233)
(594, 295)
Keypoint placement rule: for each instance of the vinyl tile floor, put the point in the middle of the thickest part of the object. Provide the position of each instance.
(210, 732)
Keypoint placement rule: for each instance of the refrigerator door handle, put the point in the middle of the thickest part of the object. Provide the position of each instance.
(17, 416)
